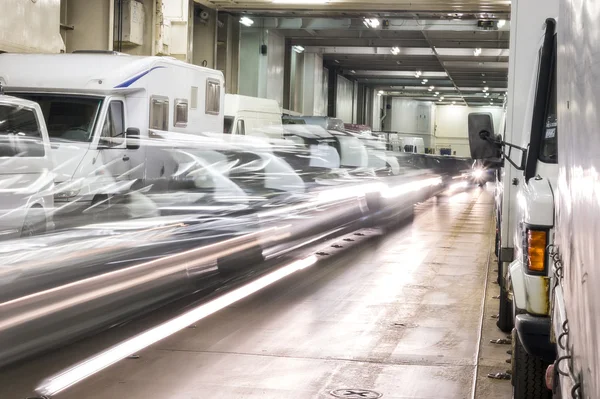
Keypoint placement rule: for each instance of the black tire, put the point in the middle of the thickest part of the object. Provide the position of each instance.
(34, 223)
(505, 320)
(528, 373)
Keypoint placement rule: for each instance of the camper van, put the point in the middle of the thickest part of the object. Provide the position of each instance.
(252, 116)
(99, 109)
(26, 180)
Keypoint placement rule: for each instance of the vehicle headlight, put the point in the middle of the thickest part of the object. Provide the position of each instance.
(67, 193)
(478, 173)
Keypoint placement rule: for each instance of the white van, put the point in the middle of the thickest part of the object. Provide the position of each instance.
(26, 180)
(99, 108)
(252, 116)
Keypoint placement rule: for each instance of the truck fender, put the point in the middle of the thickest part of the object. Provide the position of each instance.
(517, 283)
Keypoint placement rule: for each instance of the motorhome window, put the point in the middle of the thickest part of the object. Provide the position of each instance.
(241, 127)
(20, 134)
(194, 98)
(181, 112)
(113, 130)
(213, 97)
(549, 147)
(159, 113)
(71, 118)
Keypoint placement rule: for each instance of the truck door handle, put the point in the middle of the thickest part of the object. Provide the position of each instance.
(125, 158)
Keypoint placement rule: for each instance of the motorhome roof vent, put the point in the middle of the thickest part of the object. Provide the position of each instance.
(107, 52)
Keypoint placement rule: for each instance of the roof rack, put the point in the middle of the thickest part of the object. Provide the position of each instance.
(107, 52)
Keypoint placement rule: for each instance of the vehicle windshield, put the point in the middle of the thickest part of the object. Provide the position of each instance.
(68, 117)
(549, 147)
(19, 132)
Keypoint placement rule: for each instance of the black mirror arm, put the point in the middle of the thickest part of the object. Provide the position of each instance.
(504, 145)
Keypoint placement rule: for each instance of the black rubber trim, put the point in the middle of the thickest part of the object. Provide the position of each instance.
(534, 334)
(541, 99)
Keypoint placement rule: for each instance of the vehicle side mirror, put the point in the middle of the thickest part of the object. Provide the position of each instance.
(132, 138)
(483, 145)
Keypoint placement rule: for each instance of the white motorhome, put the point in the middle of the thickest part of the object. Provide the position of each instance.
(252, 116)
(99, 108)
(26, 179)
(525, 290)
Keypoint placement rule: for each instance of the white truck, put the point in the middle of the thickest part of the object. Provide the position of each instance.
(100, 107)
(252, 116)
(525, 290)
(26, 178)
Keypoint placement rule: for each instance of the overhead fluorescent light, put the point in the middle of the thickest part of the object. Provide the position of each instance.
(246, 21)
(442, 97)
(298, 49)
(477, 52)
(352, 71)
(395, 50)
(418, 74)
(440, 100)
(501, 23)
(431, 88)
(453, 102)
(425, 80)
(371, 22)
(486, 88)
(337, 62)
(380, 93)
(437, 92)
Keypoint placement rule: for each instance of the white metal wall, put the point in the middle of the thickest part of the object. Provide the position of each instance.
(411, 117)
(27, 26)
(451, 122)
(274, 67)
(344, 99)
(314, 85)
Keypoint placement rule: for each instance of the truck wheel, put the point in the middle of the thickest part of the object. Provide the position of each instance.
(34, 223)
(528, 373)
(505, 312)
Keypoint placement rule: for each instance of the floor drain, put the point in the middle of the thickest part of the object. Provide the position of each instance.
(355, 393)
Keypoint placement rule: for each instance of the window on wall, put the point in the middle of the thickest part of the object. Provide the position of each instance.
(159, 113)
(213, 97)
(181, 113)
(194, 97)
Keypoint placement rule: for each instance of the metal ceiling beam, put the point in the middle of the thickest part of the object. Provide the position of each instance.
(398, 74)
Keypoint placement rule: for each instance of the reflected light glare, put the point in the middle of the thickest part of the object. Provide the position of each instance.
(94, 364)
(458, 186)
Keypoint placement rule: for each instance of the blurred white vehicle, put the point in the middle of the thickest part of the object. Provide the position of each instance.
(26, 179)
(252, 116)
(102, 107)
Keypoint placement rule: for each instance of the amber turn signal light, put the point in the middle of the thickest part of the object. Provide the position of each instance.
(536, 250)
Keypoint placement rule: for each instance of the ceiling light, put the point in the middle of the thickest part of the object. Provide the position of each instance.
(442, 97)
(486, 88)
(246, 21)
(298, 49)
(371, 22)
(337, 62)
(395, 50)
(431, 87)
(484, 81)
(353, 71)
(501, 23)
(435, 95)
(425, 80)
(440, 100)
(381, 92)
(453, 102)
(418, 74)
(477, 52)
(437, 92)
